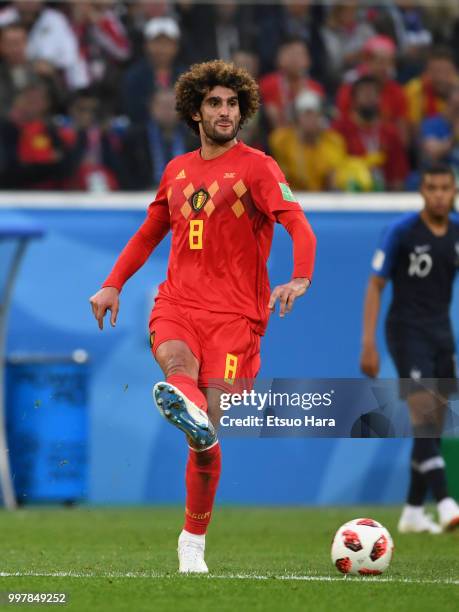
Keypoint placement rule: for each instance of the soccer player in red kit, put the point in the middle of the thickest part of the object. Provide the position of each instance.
(220, 202)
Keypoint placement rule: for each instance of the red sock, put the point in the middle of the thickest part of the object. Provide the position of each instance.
(189, 387)
(202, 476)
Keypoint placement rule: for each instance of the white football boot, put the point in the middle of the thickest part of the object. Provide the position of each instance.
(190, 550)
(415, 520)
(448, 513)
(176, 408)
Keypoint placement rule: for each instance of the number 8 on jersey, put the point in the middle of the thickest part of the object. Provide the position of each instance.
(195, 234)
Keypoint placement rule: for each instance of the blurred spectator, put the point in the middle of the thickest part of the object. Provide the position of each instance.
(50, 39)
(15, 70)
(158, 69)
(254, 131)
(102, 38)
(440, 18)
(276, 22)
(412, 35)
(344, 37)
(379, 62)
(440, 134)
(308, 151)
(371, 139)
(150, 146)
(136, 14)
(427, 94)
(279, 89)
(40, 154)
(99, 163)
(247, 59)
(214, 31)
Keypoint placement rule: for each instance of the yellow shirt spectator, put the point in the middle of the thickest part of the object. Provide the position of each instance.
(308, 166)
(307, 151)
(422, 101)
(427, 94)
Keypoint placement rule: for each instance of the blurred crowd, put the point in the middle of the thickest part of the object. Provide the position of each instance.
(355, 97)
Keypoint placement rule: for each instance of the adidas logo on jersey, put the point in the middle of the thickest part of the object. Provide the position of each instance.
(230, 175)
(181, 175)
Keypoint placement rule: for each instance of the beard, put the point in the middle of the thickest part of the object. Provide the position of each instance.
(213, 134)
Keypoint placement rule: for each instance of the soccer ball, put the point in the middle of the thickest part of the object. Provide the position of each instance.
(361, 547)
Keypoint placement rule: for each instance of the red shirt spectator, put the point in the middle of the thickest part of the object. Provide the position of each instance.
(102, 38)
(279, 89)
(428, 93)
(276, 92)
(394, 105)
(379, 62)
(373, 139)
(42, 153)
(382, 141)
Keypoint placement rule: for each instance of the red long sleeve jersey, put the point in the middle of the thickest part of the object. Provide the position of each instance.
(222, 213)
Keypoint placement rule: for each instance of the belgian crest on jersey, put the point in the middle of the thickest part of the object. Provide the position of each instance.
(198, 199)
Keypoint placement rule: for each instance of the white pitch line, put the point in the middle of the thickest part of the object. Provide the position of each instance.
(310, 578)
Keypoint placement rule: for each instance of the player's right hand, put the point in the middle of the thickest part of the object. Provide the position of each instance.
(369, 360)
(105, 299)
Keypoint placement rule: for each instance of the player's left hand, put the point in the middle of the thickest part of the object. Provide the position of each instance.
(287, 294)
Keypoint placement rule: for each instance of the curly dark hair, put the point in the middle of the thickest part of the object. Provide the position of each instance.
(192, 86)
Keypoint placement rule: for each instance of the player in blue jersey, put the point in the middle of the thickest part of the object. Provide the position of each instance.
(420, 255)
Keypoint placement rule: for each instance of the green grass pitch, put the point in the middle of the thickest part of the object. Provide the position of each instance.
(261, 559)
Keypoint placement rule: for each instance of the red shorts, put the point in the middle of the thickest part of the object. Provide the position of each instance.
(227, 348)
